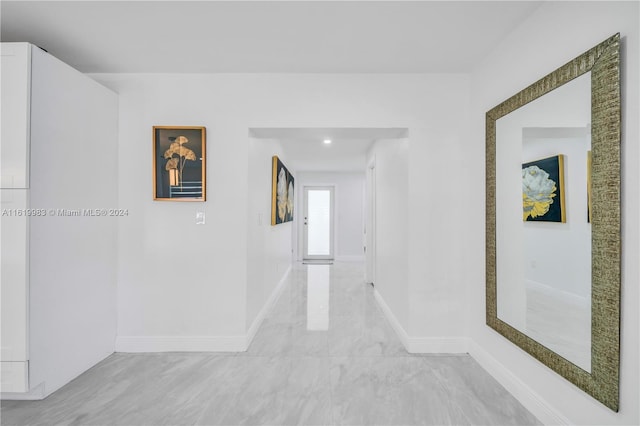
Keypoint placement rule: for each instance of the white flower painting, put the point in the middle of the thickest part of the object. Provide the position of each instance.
(283, 193)
(542, 190)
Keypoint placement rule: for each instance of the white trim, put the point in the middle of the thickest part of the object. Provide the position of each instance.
(251, 333)
(531, 400)
(35, 394)
(395, 324)
(181, 343)
(41, 391)
(423, 345)
(15, 376)
(369, 220)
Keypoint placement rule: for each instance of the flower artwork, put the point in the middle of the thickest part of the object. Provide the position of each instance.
(281, 195)
(543, 190)
(179, 163)
(537, 192)
(283, 192)
(176, 157)
(290, 199)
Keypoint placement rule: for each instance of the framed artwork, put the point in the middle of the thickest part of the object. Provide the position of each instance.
(282, 193)
(543, 190)
(179, 163)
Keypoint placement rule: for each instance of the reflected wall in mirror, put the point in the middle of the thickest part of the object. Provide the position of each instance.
(553, 220)
(544, 238)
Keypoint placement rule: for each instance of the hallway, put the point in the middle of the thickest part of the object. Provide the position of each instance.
(310, 363)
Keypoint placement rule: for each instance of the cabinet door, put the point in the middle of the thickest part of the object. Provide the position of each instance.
(16, 88)
(14, 230)
(14, 270)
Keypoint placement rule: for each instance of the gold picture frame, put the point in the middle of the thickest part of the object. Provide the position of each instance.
(179, 163)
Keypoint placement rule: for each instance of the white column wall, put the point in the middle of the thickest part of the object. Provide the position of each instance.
(269, 248)
(391, 230)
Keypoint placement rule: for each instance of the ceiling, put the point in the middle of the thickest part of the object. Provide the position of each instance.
(264, 36)
(307, 152)
(271, 37)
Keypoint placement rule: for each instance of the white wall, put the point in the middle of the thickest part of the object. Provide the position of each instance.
(348, 211)
(73, 259)
(269, 248)
(550, 266)
(391, 233)
(204, 306)
(181, 286)
(548, 39)
(438, 313)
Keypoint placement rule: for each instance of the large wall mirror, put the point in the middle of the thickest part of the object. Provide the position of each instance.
(553, 220)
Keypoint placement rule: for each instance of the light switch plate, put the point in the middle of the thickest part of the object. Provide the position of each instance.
(200, 218)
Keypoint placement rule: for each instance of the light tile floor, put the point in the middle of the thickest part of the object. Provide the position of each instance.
(349, 369)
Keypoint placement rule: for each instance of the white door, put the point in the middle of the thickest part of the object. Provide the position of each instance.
(318, 222)
(370, 224)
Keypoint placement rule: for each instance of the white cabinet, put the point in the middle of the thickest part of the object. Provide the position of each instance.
(16, 93)
(14, 277)
(58, 151)
(14, 226)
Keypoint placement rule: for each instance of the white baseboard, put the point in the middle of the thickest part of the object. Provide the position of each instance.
(422, 345)
(531, 400)
(395, 324)
(257, 322)
(44, 389)
(181, 343)
(15, 376)
(35, 394)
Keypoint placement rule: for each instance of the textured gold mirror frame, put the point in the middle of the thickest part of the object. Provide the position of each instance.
(604, 63)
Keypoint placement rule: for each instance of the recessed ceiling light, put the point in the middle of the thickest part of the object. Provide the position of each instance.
(327, 141)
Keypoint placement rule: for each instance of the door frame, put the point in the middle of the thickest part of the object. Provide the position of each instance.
(370, 223)
(305, 190)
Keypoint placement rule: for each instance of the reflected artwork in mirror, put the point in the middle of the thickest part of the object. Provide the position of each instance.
(553, 220)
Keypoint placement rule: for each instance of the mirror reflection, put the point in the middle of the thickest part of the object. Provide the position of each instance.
(543, 242)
